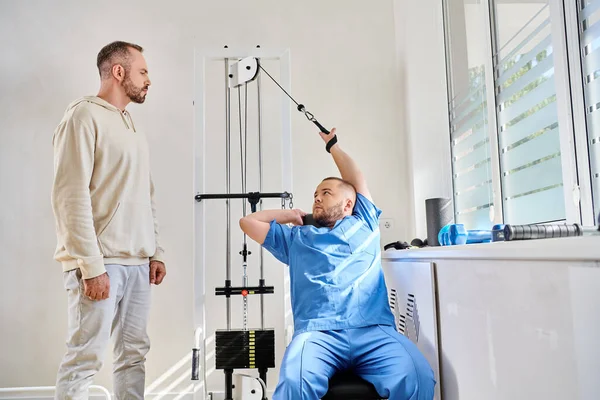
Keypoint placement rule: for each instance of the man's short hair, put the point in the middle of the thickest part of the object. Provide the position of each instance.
(115, 53)
(347, 186)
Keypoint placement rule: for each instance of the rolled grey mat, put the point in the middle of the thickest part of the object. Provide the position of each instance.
(439, 213)
(529, 232)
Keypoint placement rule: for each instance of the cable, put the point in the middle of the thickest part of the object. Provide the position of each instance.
(245, 139)
(241, 149)
(244, 172)
(288, 95)
(300, 107)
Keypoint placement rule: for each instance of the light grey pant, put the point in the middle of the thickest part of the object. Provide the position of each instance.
(91, 324)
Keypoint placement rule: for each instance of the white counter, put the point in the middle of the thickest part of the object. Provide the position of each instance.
(517, 320)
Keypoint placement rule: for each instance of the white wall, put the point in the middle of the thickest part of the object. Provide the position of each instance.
(48, 59)
(343, 69)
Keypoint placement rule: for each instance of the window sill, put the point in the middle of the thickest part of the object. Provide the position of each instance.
(562, 249)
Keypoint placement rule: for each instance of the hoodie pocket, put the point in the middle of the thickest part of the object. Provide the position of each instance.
(109, 220)
(129, 232)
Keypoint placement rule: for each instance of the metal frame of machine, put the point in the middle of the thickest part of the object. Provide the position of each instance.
(235, 348)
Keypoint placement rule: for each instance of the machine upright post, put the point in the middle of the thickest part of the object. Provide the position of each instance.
(260, 188)
(262, 373)
(228, 384)
(228, 174)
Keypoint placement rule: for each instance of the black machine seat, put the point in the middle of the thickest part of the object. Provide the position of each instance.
(348, 386)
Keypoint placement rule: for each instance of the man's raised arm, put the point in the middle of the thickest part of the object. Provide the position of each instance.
(346, 165)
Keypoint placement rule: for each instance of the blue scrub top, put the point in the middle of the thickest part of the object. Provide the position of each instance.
(336, 277)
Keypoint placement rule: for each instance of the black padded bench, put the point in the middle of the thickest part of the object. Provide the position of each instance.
(347, 386)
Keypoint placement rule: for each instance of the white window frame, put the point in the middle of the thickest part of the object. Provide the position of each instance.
(565, 114)
(578, 106)
(490, 74)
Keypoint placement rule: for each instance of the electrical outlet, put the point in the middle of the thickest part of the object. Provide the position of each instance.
(386, 223)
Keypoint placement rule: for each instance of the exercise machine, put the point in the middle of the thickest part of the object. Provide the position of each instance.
(246, 347)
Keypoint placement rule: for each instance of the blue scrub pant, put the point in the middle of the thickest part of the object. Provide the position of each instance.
(378, 354)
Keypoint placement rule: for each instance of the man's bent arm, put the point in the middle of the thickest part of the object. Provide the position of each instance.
(74, 143)
(257, 225)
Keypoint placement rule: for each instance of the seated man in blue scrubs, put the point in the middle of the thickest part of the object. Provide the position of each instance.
(342, 318)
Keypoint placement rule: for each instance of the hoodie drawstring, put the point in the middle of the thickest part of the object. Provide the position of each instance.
(124, 120)
(123, 113)
(132, 124)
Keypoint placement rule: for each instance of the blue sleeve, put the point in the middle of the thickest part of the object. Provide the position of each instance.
(278, 241)
(367, 211)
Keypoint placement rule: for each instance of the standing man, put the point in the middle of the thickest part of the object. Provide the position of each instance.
(342, 318)
(107, 231)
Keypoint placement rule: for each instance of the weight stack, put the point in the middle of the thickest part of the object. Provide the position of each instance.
(239, 349)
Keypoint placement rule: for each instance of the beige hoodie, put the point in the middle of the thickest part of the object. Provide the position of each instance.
(103, 194)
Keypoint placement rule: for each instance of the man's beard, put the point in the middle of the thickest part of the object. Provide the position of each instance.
(134, 93)
(331, 215)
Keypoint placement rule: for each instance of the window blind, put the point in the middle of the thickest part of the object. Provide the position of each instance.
(528, 132)
(471, 163)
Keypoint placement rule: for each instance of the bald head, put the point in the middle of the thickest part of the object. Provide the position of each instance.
(344, 187)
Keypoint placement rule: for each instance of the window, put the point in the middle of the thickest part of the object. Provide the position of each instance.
(468, 108)
(516, 146)
(528, 128)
